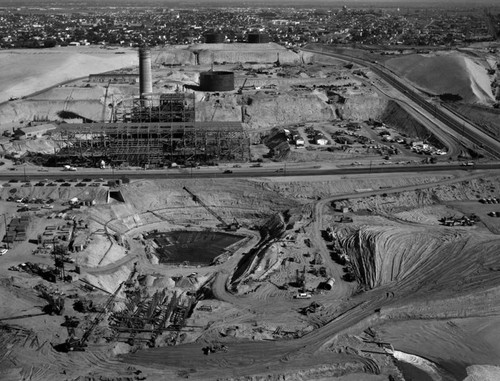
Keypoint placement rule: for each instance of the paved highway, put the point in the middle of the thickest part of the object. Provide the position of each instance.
(461, 127)
(243, 173)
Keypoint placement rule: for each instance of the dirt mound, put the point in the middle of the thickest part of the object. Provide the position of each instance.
(445, 73)
(265, 111)
(22, 146)
(174, 55)
(487, 118)
(51, 109)
(420, 257)
(362, 106)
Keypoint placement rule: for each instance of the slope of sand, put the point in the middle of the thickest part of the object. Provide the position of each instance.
(29, 70)
(445, 73)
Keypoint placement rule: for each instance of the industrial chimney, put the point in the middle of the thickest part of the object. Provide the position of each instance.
(145, 77)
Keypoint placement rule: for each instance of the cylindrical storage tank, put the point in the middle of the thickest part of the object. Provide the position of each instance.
(217, 81)
(329, 283)
(214, 38)
(258, 38)
(145, 77)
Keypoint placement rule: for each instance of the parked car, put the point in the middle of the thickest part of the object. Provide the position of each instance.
(302, 295)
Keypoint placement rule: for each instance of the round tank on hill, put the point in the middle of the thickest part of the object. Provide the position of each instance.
(217, 81)
(214, 38)
(258, 38)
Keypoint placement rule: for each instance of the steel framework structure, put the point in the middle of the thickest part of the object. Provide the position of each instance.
(157, 107)
(154, 143)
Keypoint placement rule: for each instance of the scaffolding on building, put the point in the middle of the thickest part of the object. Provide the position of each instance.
(154, 143)
(155, 108)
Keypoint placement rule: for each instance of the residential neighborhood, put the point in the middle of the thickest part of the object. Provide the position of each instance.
(36, 27)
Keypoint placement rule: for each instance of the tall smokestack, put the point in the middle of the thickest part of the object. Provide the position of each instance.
(145, 77)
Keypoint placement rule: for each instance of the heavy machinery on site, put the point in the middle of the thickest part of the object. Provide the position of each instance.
(233, 226)
(55, 300)
(74, 343)
(214, 348)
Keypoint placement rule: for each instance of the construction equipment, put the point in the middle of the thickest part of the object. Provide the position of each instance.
(70, 322)
(228, 227)
(75, 344)
(311, 308)
(104, 106)
(55, 300)
(240, 90)
(301, 278)
(214, 348)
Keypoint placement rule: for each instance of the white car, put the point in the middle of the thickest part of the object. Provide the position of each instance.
(3, 251)
(302, 295)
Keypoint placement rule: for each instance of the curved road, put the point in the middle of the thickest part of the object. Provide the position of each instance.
(461, 127)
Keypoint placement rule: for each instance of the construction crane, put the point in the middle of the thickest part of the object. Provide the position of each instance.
(104, 106)
(240, 90)
(301, 278)
(231, 227)
(75, 344)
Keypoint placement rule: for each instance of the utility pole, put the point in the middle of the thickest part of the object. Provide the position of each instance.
(5, 221)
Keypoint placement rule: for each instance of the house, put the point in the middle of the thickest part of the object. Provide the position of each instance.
(321, 140)
(299, 142)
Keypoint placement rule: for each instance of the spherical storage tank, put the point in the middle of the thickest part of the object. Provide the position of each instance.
(217, 81)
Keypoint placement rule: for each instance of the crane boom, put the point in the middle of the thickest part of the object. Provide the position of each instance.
(103, 117)
(199, 201)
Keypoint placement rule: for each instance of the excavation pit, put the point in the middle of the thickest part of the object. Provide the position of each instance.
(192, 247)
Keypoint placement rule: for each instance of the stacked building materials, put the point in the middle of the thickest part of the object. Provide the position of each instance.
(17, 230)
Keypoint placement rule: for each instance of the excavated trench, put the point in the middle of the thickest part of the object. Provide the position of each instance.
(194, 247)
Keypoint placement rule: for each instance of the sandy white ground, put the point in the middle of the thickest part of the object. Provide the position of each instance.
(29, 70)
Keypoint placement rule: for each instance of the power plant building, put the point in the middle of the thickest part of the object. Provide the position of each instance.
(161, 107)
(157, 129)
(154, 144)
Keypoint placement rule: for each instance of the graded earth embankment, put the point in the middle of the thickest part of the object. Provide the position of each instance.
(445, 73)
(420, 258)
